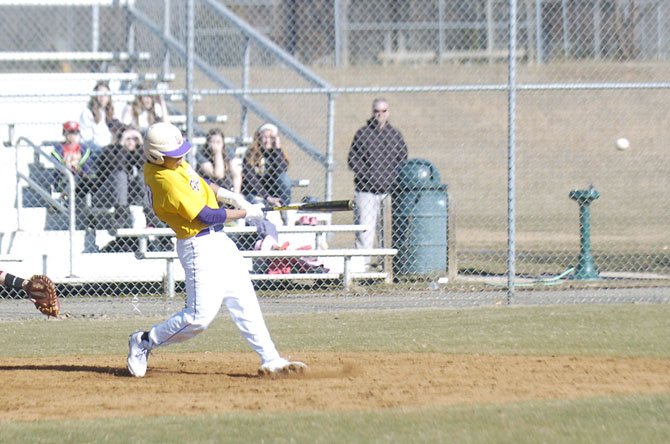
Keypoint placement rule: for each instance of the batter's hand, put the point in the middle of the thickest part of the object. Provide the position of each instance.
(254, 211)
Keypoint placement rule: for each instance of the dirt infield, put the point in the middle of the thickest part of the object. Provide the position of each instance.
(197, 383)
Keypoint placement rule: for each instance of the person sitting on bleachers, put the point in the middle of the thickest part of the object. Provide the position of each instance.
(97, 118)
(145, 110)
(119, 175)
(265, 170)
(216, 163)
(76, 157)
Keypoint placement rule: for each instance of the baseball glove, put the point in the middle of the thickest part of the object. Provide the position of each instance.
(42, 292)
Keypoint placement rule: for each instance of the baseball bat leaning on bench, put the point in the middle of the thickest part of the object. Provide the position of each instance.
(326, 206)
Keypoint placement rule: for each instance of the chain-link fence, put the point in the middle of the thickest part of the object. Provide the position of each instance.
(576, 212)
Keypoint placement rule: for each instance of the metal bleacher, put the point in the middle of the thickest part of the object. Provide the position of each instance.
(36, 104)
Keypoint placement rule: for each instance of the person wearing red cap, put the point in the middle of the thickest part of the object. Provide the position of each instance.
(75, 156)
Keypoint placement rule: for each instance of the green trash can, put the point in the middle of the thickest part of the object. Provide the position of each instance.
(419, 224)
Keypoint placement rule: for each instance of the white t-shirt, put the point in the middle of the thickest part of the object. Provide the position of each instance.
(143, 118)
(92, 133)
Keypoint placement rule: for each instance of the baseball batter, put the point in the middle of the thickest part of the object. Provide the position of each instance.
(214, 269)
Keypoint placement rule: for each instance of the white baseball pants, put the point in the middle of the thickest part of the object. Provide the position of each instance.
(215, 272)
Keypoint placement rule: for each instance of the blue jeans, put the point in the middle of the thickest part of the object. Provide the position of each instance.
(283, 188)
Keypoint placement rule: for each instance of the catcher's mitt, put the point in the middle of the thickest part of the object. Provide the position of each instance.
(42, 292)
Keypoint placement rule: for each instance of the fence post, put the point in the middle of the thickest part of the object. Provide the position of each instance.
(452, 260)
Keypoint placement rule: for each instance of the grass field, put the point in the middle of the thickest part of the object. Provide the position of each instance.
(629, 403)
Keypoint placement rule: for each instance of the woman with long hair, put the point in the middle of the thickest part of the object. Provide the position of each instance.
(265, 168)
(144, 111)
(97, 118)
(217, 164)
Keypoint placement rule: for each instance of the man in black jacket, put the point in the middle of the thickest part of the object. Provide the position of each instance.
(375, 154)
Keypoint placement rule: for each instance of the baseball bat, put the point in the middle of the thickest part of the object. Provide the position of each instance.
(326, 206)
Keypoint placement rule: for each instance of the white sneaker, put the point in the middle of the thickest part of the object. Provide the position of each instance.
(137, 355)
(282, 366)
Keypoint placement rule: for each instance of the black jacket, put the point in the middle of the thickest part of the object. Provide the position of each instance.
(374, 157)
(266, 184)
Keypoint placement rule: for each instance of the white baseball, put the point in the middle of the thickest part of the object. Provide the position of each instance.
(622, 144)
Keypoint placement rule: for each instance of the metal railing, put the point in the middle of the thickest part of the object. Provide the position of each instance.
(247, 104)
(70, 209)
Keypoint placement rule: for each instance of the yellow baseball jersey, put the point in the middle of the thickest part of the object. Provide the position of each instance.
(177, 197)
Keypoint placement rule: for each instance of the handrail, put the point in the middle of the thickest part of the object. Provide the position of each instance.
(266, 43)
(38, 153)
(84, 56)
(251, 104)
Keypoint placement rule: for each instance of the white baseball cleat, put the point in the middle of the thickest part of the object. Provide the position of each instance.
(137, 355)
(282, 366)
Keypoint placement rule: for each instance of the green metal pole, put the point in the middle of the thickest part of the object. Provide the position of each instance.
(586, 268)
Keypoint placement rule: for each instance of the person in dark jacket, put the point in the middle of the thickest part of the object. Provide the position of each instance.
(120, 173)
(265, 176)
(375, 154)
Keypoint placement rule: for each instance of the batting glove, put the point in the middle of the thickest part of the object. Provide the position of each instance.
(254, 211)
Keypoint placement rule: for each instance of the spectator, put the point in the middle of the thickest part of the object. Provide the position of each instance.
(375, 154)
(218, 165)
(76, 157)
(144, 111)
(265, 169)
(97, 119)
(120, 175)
